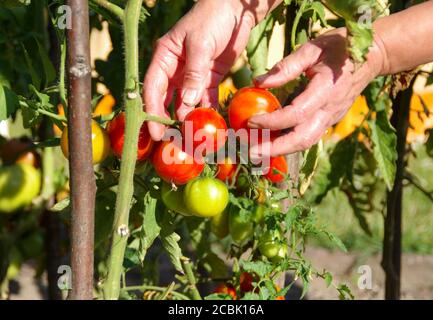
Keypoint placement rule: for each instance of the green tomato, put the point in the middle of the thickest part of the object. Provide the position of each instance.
(173, 199)
(220, 224)
(206, 197)
(272, 247)
(259, 213)
(19, 184)
(15, 261)
(241, 226)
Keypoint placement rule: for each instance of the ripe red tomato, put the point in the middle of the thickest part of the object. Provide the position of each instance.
(246, 282)
(116, 132)
(280, 164)
(248, 102)
(226, 170)
(226, 289)
(175, 165)
(206, 127)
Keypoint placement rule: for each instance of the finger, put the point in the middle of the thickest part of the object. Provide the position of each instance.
(290, 67)
(301, 138)
(302, 108)
(199, 54)
(156, 83)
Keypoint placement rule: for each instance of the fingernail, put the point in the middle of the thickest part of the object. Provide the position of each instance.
(259, 79)
(189, 97)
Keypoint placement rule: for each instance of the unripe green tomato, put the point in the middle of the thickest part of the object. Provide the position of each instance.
(272, 247)
(19, 184)
(259, 213)
(173, 199)
(15, 261)
(240, 227)
(220, 224)
(206, 197)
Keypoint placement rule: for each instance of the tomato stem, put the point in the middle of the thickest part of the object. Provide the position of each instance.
(133, 121)
(114, 9)
(167, 121)
(187, 267)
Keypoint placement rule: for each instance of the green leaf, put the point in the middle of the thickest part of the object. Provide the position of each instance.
(170, 242)
(335, 240)
(218, 296)
(333, 170)
(36, 79)
(345, 293)
(311, 159)
(216, 267)
(384, 146)
(60, 206)
(8, 102)
(257, 48)
(150, 228)
(360, 40)
(328, 279)
(261, 268)
(50, 72)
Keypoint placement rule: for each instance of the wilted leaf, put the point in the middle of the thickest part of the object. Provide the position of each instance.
(311, 159)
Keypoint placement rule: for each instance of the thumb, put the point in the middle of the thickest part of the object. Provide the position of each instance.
(290, 67)
(199, 53)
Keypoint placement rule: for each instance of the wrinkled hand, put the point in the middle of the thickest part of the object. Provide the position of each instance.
(193, 57)
(333, 87)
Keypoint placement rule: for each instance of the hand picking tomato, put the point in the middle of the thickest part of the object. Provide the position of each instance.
(173, 199)
(272, 246)
(219, 224)
(19, 184)
(226, 170)
(248, 102)
(116, 132)
(227, 289)
(280, 164)
(206, 197)
(173, 164)
(205, 127)
(100, 143)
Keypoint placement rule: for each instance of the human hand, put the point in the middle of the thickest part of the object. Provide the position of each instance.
(333, 87)
(193, 57)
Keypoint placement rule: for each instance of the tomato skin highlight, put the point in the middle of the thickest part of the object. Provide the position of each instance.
(173, 199)
(226, 170)
(220, 224)
(100, 143)
(279, 163)
(206, 197)
(248, 102)
(116, 132)
(226, 289)
(206, 127)
(178, 167)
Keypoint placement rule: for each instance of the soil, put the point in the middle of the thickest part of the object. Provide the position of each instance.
(417, 278)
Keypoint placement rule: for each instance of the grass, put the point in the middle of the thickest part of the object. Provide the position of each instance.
(335, 212)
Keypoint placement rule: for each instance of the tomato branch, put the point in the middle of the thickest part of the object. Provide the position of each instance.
(133, 109)
(113, 8)
(187, 267)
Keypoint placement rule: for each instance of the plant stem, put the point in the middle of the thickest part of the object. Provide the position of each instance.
(296, 22)
(62, 90)
(155, 288)
(186, 264)
(133, 119)
(149, 117)
(113, 8)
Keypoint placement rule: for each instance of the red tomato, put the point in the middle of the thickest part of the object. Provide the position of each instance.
(248, 102)
(246, 282)
(226, 289)
(226, 170)
(278, 163)
(205, 126)
(116, 132)
(174, 165)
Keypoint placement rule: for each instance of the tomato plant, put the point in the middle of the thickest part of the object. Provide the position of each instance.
(116, 132)
(100, 143)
